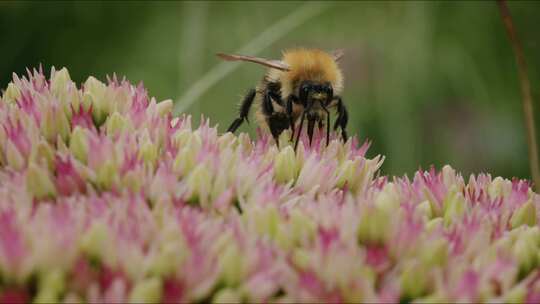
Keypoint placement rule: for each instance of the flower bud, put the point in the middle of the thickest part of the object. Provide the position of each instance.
(148, 152)
(43, 153)
(11, 94)
(199, 183)
(107, 174)
(285, 168)
(435, 253)
(357, 173)
(499, 187)
(388, 198)
(13, 157)
(413, 280)
(227, 295)
(181, 137)
(168, 259)
(95, 239)
(301, 227)
(116, 123)
(516, 295)
(454, 206)
(55, 123)
(231, 265)
(146, 291)
(424, 209)
(133, 180)
(164, 107)
(78, 144)
(374, 225)
(449, 176)
(284, 138)
(59, 82)
(94, 94)
(51, 286)
(432, 298)
(190, 146)
(184, 161)
(526, 254)
(434, 224)
(265, 220)
(38, 182)
(302, 258)
(346, 173)
(226, 140)
(525, 215)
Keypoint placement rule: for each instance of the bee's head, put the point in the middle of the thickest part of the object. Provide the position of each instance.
(315, 94)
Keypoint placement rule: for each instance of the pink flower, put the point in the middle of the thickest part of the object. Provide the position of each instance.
(105, 197)
(13, 249)
(82, 117)
(68, 180)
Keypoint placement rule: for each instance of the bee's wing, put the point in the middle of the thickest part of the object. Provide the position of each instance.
(275, 64)
(337, 54)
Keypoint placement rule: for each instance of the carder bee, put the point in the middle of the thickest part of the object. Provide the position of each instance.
(304, 85)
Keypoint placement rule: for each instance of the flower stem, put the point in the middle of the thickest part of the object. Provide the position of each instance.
(525, 92)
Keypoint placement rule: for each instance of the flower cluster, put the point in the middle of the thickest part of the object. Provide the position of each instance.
(105, 197)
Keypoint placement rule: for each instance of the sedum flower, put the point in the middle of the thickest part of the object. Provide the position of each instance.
(285, 166)
(227, 295)
(516, 295)
(413, 280)
(95, 96)
(198, 183)
(78, 144)
(14, 158)
(424, 209)
(525, 215)
(68, 179)
(116, 123)
(42, 152)
(51, 285)
(105, 197)
(59, 81)
(55, 124)
(146, 291)
(454, 206)
(11, 94)
(39, 183)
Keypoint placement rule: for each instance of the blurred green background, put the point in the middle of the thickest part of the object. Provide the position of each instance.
(427, 82)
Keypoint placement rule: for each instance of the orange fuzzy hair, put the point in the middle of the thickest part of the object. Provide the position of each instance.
(309, 64)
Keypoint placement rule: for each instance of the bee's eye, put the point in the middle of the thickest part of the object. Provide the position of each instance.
(328, 89)
(329, 92)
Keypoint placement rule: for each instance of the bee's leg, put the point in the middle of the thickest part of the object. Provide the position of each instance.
(290, 114)
(299, 130)
(327, 125)
(244, 111)
(277, 122)
(310, 127)
(342, 119)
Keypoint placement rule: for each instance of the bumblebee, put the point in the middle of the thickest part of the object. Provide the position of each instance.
(303, 86)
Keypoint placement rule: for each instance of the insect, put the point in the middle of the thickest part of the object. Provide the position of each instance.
(304, 85)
